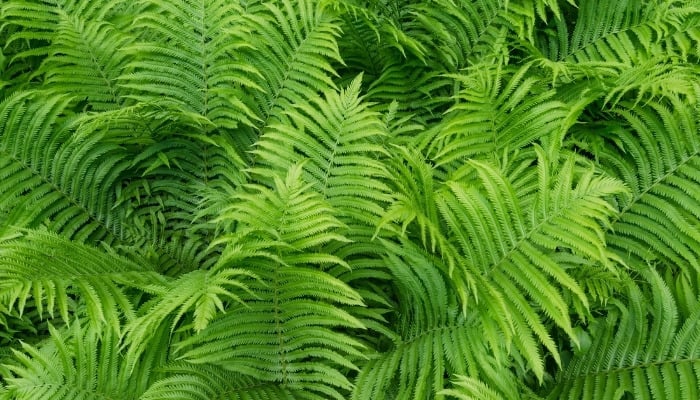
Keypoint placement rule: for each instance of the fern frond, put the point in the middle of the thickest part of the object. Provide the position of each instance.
(503, 246)
(467, 388)
(77, 363)
(497, 111)
(640, 349)
(207, 382)
(513, 241)
(191, 64)
(338, 137)
(205, 291)
(619, 43)
(460, 32)
(50, 178)
(53, 271)
(659, 221)
(288, 333)
(295, 47)
(433, 339)
(80, 44)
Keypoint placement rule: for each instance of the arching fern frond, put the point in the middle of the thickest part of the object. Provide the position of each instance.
(80, 45)
(55, 272)
(433, 339)
(498, 110)
(626, 31)
(338, 137)
(289, 332)
(513, 243)
(191, 64)
(295, 47)
(641, 349)
(208, 382)
(205, 291)
(498, 245)
(619, 43)
(50, 178)
(460, 32)
(468, 388)
(78, 364)
(659, 222)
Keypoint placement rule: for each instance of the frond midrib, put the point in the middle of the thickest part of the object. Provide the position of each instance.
(98, 66)
(529, 233)
(613, 371)
(115, 235)
(656, 182)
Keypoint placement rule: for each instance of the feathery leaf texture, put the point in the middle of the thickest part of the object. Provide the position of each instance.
(361, 199)
(642, 349)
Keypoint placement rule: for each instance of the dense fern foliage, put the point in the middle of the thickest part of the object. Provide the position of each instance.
(366, 199)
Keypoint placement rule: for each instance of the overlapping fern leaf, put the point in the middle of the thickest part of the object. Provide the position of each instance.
(642, 348)
(340, 140)
(294, 52)
(78, 363)
(433, 338)
(78, 42)
(53, 274)
(209, 382)
(51, 178)
(506, 246)
(628, 47)
(288, 331)
(659, 221)
(203, 40)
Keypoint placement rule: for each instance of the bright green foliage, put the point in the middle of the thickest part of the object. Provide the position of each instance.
(658, 359)
(364, 199)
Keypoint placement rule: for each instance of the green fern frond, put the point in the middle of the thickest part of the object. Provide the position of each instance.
(50, 178)
(467, 388)
(207, 382)
(460, 32)
(77, 364)
(433, 338)
(511, 241)
(640, 349)
(618, 43)
(288, 332)
(339, 139)
(203, 39)
(80, 45)
(206, 292)
(54, 271)
(485, 232)
(498, 110)
(295, 47)
(659, 221)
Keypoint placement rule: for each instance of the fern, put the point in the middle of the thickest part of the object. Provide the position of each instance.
(207, 382)
(49, 269)
(339, 138)
(80, 47)
(202, 91)
(494, 237)
(654, 359)
(364, 199)
(433, 337)
(48, 176)
(296, 44)
(659, 221)
(493, 112)
(77, 363)
(294, 303)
